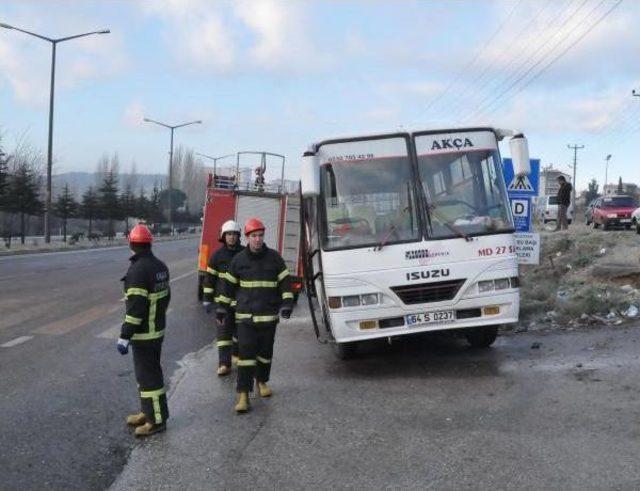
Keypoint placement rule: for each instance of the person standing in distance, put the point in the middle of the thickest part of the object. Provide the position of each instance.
(226, 340)
(147, 293)
(564, 201)
(258, 280)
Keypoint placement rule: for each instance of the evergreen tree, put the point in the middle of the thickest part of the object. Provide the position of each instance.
(65, 208)
(620, 187)
(22, 195)
(155, 209)
(4, 176)
(141, 206)
(127, 205)
(592, 191)
(109, 204)
(89, 207)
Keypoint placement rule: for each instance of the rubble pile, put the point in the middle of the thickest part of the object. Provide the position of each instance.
(585, 278)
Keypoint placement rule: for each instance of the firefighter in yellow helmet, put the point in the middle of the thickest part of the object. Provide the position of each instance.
(258, 281)
(226, 340)
(146, 287)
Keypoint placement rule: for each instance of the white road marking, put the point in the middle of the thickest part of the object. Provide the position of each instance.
(183, 276)
(16, 341)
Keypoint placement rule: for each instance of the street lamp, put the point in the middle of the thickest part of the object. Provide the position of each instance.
(54, 42)
(606, 172)
(215, 160)
(172, 128)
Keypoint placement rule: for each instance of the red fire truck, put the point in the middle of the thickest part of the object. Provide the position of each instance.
(243, 193)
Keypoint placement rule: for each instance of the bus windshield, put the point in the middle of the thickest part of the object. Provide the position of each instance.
(465, 193)
(368, 196)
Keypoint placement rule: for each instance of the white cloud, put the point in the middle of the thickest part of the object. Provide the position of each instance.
(25, 61)
(133, 114)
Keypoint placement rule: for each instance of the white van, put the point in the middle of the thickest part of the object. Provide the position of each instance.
(547, 209)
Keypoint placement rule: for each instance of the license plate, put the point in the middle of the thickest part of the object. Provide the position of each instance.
(430, 317)
(625, 220)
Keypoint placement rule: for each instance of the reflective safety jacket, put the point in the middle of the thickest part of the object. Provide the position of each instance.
(259, 283)
(147, 293)
(214, 289)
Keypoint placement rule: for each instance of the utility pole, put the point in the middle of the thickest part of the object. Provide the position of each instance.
(606, 172)
(54, 42)
(575, 164)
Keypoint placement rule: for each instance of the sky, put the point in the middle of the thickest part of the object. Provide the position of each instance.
(277, 75)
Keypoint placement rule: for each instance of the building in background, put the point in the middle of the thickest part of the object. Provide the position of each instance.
(549, 180)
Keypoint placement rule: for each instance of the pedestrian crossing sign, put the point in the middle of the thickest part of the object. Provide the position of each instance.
(520, 183)
(527, 185)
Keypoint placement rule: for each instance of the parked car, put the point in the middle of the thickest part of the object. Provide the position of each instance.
(613, 211)
(547, 209)
(635, 219)
(588, 212)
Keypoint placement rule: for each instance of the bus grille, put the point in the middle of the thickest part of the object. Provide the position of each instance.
(428, 292)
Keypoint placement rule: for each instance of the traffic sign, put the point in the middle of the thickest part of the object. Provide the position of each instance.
(521, 211)
(528, 185)
(528, 248)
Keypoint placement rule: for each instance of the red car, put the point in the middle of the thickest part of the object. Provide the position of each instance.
(613, 211)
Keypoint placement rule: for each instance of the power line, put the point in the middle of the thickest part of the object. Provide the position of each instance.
(560, 55)
(487, 101)
(473, 59)
(508, 48)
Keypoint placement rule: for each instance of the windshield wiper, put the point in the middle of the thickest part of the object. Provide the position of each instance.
(431, 208)
(393, 228)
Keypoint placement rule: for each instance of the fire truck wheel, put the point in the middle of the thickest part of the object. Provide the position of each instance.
(345, 351)
(482, 337)
(200, 289)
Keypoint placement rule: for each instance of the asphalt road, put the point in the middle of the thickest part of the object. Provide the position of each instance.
(64, 389)
(536, 411)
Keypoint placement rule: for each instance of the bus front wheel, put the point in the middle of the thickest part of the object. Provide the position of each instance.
(482, 337)
(345, 351)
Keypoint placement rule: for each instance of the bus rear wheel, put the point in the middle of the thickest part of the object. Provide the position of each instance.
(481, 337)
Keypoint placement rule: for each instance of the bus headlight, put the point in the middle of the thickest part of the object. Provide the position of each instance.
(498, 284)
(351, 301)
(370, 299)
(355, 300)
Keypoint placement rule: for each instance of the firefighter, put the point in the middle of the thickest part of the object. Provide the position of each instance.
(147, 294)
(259, 282)
(227, 340)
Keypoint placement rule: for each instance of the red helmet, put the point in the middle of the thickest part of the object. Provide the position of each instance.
(140, 234)
(253, 225)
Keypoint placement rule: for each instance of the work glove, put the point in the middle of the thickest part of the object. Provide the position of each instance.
(207, 306)
(285, 312)
(221, 317)
(123, 346)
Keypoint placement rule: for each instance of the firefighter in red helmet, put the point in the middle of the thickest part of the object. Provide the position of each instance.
(147, 293)
(258, 281)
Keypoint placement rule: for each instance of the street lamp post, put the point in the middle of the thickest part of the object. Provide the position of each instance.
(54, 42)
(215, 160)
(172, 128)
(606, 171)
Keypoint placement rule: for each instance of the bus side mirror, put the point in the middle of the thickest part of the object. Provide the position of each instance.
(520, 155)
(310, 175)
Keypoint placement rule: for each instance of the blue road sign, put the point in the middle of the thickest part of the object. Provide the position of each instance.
(524, 185)
(521, 211)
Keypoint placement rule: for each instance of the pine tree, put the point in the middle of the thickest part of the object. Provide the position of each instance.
(592, 191)
(141, 206)
(109, 203)
(127, 205)
(89, 207)
(65, 207)
(23, 195)
(620, 187)
(155, 209)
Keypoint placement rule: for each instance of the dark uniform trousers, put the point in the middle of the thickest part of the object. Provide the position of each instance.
(255, 351)
(227, 339)
(153, 397)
